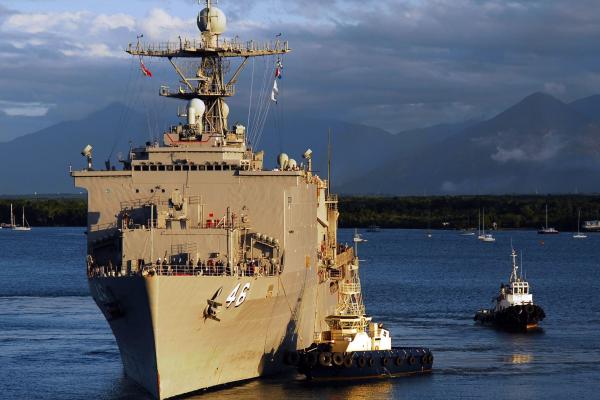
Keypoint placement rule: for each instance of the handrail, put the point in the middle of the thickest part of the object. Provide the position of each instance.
(182, 270)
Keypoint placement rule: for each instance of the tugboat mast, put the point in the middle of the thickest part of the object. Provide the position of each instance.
(208, 87)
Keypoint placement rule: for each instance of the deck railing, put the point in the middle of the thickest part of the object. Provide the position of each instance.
(182, 270)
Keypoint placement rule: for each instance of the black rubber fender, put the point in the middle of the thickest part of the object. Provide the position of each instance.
(412, 360)
(362, 362)
(337, 359)
(311, 359)
(348, 361)
(399, 360)
(325, 359)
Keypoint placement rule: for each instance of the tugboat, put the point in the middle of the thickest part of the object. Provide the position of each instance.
(514, 309)
(355, 347)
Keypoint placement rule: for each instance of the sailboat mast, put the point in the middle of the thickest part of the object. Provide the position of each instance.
(546, 215)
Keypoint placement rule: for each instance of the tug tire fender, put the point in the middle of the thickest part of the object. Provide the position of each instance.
(412, 360)
(325, 359)
(348, 361)
(311, 359)
(399, 360)
(385, 361)
(337, 359)
(362, 362)
(371, 361)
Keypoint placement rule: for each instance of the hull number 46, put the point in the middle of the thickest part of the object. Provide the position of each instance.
(235, 298)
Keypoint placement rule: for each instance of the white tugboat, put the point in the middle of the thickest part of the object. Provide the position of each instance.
(514, 309)
(355, 347)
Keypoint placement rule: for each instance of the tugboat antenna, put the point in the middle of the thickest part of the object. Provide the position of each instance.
(329, 163)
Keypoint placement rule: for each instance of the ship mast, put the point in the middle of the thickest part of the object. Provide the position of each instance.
(209, 85)
(514, 275)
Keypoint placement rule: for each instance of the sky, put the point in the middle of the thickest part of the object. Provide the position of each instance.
(393, 64)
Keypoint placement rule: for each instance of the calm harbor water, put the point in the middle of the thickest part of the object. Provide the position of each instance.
(55, 344)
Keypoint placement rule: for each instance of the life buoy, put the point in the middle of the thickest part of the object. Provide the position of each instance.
(412, 360)
(325, 359)
(399, 360)
(337, 359)
(362, 362)
(311, 359)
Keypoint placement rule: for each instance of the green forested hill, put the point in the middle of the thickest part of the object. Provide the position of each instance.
(508, 212)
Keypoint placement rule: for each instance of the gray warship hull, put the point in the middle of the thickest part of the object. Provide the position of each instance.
(169, 348)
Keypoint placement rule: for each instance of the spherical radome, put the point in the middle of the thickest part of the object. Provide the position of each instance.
(198, 106)
(212, 20)
(224, 109)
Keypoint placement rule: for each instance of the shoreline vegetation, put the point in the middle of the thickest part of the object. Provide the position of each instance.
(413, 212)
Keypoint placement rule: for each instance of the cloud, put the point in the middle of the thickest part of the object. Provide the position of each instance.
(105, 22)
(35, 23)
(24, 109)
(550, 146)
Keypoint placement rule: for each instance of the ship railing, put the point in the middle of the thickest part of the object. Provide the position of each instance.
(350, 288)
(228, 45)
(181, 270)
(103, 227)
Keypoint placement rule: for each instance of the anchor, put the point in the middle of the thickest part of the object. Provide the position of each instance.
(211, 309)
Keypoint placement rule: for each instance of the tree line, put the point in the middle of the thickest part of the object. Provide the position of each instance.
(435, 212)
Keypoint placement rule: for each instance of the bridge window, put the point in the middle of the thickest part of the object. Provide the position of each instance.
(161, 167)
(153, 168)
(137, 168)
(169, 168)
(145, 168)
(177, 167)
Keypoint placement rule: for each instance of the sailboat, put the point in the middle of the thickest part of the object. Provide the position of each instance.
(24, 225)
(485, 237)
(579, 235)
(546, 230)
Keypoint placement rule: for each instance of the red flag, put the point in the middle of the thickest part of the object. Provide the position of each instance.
(145, 70)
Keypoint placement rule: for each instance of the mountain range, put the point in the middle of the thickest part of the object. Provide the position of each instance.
(540, 144)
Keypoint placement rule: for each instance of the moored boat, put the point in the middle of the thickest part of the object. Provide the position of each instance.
(514, 309)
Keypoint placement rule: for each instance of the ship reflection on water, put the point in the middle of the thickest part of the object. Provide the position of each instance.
(519, 359)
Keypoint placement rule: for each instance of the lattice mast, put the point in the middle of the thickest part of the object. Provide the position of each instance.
(205, 91)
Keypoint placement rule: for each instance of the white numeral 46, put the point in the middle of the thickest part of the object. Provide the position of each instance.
(234, 294)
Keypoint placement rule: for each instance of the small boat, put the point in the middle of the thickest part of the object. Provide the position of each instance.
(513, 309)
(591, 225)
(547, 230)
(485, 237)
(355, 347)
(488, 238)
(13, 224)
(373, 228)
(579, 235)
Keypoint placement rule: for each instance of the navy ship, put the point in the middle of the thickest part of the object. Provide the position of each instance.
(514, 309)
(355, 347)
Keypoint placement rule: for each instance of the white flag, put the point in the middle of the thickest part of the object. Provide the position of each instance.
(275, 91)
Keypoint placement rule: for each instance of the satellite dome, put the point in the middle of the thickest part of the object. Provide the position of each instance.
(198, 106)
(212, 20)
(224, 109)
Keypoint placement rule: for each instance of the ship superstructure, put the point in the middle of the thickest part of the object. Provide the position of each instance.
(208, 266)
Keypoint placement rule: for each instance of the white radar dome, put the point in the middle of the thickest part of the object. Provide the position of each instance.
(224, 109)
(212, 20)
(198, 106)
